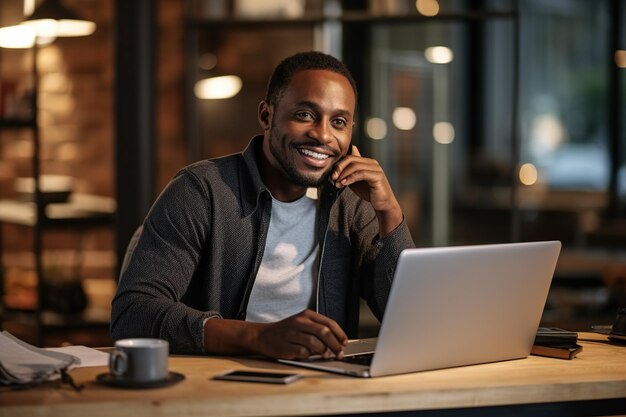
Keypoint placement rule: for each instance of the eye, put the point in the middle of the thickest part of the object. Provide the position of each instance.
(304, 115)
(340, 123)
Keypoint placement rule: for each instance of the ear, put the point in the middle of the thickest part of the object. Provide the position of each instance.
(265, 115)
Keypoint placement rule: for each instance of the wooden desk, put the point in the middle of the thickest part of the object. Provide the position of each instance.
(592, 384)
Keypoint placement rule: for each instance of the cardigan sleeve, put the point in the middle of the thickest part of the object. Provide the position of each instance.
(377, 262)
(160, 267)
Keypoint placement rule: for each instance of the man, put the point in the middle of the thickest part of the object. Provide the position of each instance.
(236, 257)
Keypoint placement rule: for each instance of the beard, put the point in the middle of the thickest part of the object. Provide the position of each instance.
(314, 178)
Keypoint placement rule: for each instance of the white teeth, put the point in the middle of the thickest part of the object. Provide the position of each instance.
(312, 154)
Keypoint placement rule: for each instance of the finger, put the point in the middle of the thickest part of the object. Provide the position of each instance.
(331, 324)
(350, 164)
(328, 354)
(359, 164)
(322, 328)
(353, 174)
(311, 341)
(296, 351)
(355, 154)
(371, 178)
(331, 334)
(339, 167)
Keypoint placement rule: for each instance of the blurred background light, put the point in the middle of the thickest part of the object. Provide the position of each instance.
(207, 61)
(29, 7)
(376, 128)
(443, 132)
(226, 86)
(528, 174)
(620, 58)
(547, 134)
(404, 118)
(427, 7)
(51, 19)
(18, 36)
(439, 54)
(50, 28)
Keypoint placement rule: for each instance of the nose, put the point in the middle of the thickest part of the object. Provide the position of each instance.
(321, 131)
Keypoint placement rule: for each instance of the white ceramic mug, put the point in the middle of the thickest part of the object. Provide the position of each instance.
(140, 360)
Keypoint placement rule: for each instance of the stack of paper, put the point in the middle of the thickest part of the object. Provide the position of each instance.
(21, 363)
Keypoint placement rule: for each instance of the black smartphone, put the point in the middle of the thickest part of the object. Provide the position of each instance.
(555, 335)
(259, 376)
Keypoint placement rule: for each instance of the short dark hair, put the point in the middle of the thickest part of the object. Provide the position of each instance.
(312, 60)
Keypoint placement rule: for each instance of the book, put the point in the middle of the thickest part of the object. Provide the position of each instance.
(554, 351)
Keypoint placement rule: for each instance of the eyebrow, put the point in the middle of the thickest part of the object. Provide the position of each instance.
(316, 107)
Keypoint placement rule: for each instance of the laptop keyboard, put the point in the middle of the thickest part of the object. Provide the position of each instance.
(364, 359)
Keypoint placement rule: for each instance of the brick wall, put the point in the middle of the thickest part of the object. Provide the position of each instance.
(171, 149)
(76, 119)
(75, 106)
(75, 103)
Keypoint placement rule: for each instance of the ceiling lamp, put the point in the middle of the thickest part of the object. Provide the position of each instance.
(17, 36)
(51, 20)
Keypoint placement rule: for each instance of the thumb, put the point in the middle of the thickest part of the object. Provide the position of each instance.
(355, 151)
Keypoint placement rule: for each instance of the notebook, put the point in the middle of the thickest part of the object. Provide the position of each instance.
(456, 306)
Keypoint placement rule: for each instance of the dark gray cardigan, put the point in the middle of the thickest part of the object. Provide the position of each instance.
(203, 240)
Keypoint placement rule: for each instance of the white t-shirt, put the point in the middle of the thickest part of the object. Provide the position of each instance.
(286, 282)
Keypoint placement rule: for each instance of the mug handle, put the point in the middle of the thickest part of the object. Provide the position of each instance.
(118, 362)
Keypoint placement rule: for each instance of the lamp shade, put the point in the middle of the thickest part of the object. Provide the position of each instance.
(17, 37)
(52, 19)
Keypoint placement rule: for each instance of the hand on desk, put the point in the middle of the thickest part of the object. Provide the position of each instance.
(300, 336)
(297, 337)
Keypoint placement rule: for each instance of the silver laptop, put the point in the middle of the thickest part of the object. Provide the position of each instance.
(455, 306)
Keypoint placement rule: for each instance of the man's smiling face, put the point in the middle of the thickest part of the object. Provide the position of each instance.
(310, 128)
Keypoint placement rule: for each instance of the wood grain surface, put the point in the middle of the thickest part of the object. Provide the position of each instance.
(598, 372)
